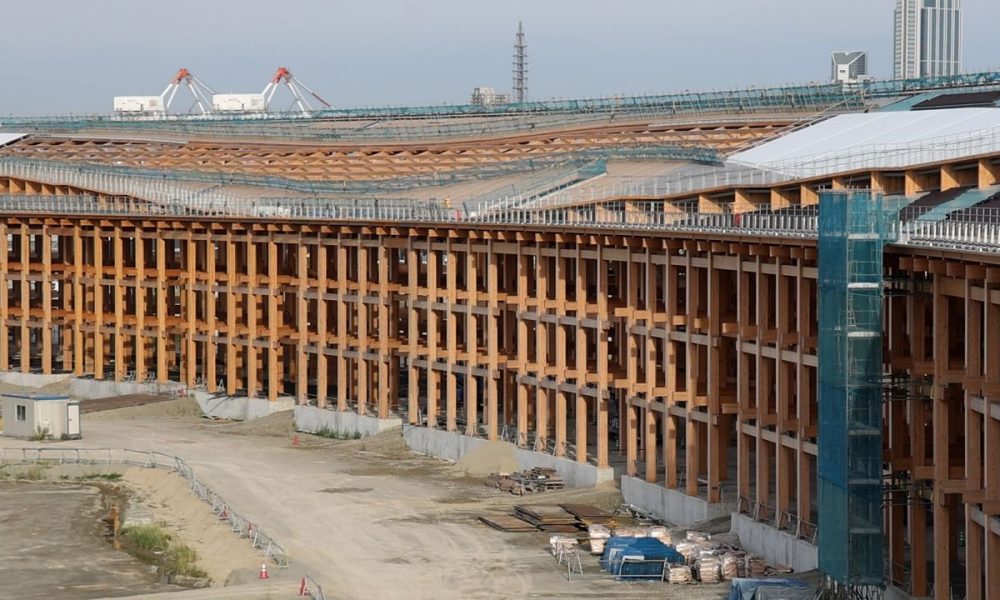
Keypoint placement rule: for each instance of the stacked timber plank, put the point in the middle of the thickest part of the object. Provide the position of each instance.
(589, 515)
(520, 483)
(508, 523)
(547, 517)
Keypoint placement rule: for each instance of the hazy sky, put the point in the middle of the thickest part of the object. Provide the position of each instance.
(60, 56)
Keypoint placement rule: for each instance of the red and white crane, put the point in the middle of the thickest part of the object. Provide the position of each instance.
(160, 105)
(300, 91)
(197, 87)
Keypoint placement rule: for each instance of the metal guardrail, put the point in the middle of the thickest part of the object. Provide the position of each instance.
(779, 519)
(244, 528)
(312, 588)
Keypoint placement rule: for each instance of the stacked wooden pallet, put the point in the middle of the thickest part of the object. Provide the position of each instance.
(526, 482)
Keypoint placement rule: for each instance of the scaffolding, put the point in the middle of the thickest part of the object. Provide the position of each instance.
(852, 234)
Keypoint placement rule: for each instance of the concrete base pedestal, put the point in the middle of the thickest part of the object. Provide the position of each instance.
(774, 546)
(669, 505)
(311, 419)
(241, 409)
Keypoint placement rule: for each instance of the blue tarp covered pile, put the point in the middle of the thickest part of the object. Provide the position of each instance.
(637, 548)
(771, 589)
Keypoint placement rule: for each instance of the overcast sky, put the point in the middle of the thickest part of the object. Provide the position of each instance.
(60, 56)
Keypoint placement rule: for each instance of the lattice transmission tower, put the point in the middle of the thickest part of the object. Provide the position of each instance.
(520, 66)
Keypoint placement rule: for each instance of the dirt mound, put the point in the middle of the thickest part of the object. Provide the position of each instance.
(389, 444)
(279, 424)
(490, 457)
(178, 408)
(220, 551)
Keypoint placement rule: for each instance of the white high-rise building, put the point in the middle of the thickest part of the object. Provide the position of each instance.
(928, 38)
(848, 67)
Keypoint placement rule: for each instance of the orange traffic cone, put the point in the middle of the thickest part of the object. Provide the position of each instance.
(263, 572)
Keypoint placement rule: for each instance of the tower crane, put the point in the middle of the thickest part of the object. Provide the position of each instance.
(296, 87)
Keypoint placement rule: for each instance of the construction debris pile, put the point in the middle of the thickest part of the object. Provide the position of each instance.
(551, 518)
(651, 552)
(526, 482)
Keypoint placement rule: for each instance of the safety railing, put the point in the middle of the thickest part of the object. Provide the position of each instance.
(471, 119)
(963, 229)
(975, 229)
(311, 588)
(243, 527)
(779, 519)
(60, 170)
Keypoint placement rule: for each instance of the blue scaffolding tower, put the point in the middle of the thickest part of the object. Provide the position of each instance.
(852, 235)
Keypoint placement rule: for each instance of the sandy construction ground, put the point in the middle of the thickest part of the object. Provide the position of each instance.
(367, 518)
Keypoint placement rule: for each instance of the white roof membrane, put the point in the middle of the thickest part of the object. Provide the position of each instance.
(879, 140)
(7, 138)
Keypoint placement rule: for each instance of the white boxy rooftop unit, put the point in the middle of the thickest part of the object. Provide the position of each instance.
(139, 104)
(239, 102)
(30, 415)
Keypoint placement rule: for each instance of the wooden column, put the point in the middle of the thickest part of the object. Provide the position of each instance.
(603, 381)
(232, 384)
(386, 391)
(451, 340)
(322, 327)
(492, 342)
(211, 326)
(582, 348)
(471, 341)
(342, 325)
(433, 388)
(189, 360)
(362, 312)
(274, 378)
(251, 314)
(413, 341)
(46, 331)
(541, 352)
(302, 318)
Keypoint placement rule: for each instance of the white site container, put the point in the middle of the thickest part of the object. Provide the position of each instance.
(139, 104)
(27, 415)
(238, 102)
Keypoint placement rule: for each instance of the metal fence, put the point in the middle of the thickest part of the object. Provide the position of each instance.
(240, 525)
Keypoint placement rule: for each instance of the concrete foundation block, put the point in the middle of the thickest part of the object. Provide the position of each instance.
(241, 409)
(774, 546)
(311, 419)
(30, 380)
(93, 388)
(672, 506)
(453, 446)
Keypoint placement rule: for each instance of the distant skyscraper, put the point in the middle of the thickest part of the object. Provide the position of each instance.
(928, 38)
(520, 66)
(848, 67)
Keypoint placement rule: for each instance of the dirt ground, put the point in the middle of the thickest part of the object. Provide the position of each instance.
(52, 546)
(368, 518)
